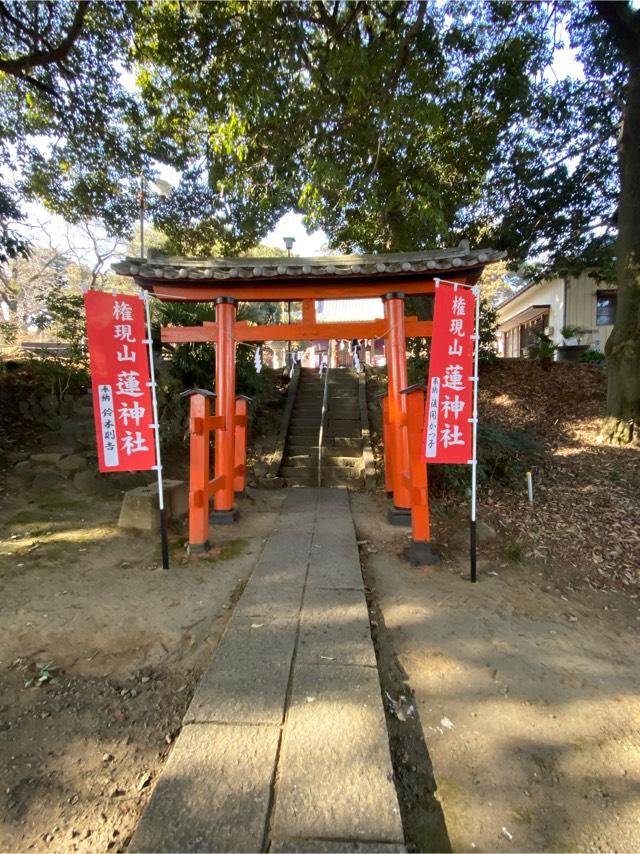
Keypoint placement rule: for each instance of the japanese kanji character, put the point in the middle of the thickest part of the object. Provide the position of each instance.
(450, 436)
(453, 378)
(456, 327)
(107, 411)
(453, 407)
(129, 384)
(135, 412)
(133, 444)
(123, 332)
(122, 311)
(455, 349)
(459, 305)
(124, 355)
(105, 397)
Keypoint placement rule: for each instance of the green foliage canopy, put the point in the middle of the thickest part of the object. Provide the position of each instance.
(393, 126)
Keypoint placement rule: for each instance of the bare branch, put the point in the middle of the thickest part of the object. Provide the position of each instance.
(38, 58)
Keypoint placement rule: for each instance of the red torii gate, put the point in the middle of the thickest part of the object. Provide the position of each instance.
(225, 282)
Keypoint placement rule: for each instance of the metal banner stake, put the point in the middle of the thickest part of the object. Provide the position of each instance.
(156, 425)
(474, 456)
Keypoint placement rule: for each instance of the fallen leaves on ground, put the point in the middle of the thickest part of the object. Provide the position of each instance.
(586, 514)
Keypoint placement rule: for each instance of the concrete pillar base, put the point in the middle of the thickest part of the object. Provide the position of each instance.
(399, 516)
(224, 517)
(421, 554)
(199, 548)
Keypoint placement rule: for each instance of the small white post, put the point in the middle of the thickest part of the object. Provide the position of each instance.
(156, 429)
(530, 487)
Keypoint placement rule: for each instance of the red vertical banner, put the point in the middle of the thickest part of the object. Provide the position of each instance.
(120, 380)
(448, 435)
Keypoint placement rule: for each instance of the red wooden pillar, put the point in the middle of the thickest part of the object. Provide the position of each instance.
(387, 446)
(199, 487)
(400, 513)
(309, 310)
(240, 450)
(419, 552)
(224, 510)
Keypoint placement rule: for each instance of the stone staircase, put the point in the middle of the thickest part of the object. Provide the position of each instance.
(342, 461)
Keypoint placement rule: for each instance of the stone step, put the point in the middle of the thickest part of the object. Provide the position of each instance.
(331, 476)
(341, 477)
(299, 461)
(343, 430)
(348, 414)
(345, 442)
(312, 460)
(328, 451)
(344, 472)
(306, 419)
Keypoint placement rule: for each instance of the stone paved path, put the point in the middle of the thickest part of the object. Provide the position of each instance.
(284, 746)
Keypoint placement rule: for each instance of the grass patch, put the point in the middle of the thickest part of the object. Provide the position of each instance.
(514, 552)
(26, 517)
(55, 502)
(233, 548)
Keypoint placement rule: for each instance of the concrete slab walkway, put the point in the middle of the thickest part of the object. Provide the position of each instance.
(285, 745)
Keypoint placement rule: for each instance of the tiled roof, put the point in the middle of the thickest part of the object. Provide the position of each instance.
(432, 261)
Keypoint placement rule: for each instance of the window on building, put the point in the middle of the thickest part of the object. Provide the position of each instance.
(606, 308)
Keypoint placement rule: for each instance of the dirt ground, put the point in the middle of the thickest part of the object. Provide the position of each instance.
(100, 650)
(526, 691)
(521, 725)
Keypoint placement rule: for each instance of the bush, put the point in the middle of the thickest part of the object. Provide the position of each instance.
(592, 357)
(503, 457)
(64, 310)
(188, 366)
(545, 348)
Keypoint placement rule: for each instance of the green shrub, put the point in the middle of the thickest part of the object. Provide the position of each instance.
(592, 357)
(544, 349)
(187, 366)
(503, 457)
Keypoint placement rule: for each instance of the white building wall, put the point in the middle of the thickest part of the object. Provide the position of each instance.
(581, 296)
(549, 293)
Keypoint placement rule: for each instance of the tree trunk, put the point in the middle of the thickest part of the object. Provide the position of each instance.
(623, 347)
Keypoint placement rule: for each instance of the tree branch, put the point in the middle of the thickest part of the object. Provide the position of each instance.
(39, 58)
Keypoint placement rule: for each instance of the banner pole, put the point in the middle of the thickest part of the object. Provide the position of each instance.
(474, 455)
(156, 425)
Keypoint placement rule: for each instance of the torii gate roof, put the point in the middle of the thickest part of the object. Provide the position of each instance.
(338, 276)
